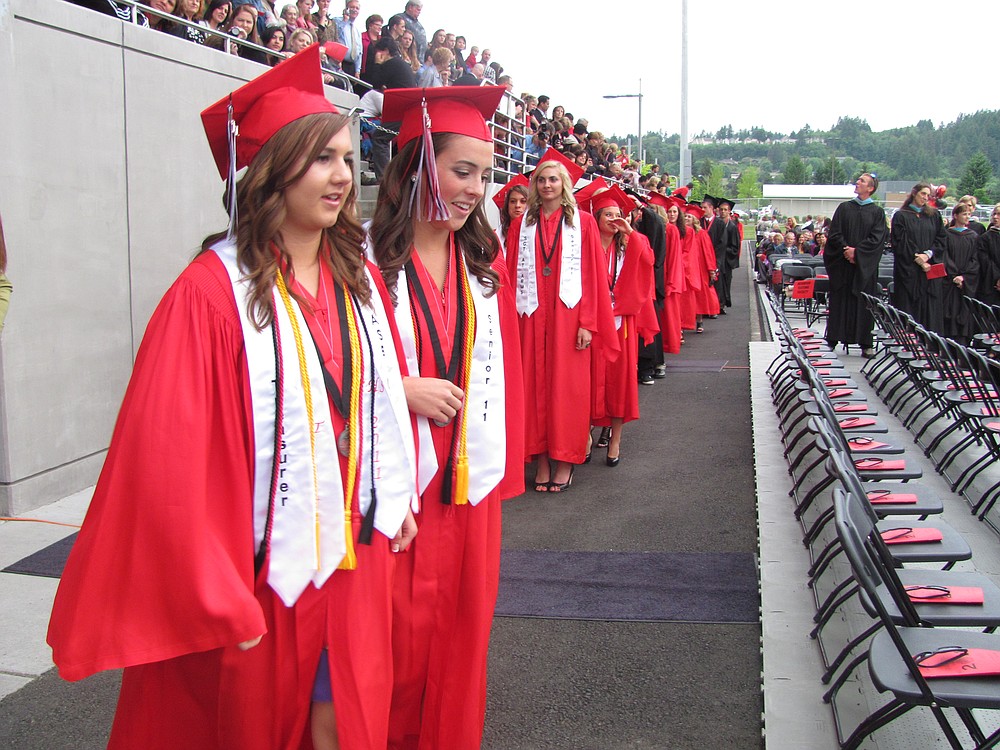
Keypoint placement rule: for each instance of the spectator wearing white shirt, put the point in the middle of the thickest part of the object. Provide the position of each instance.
(349, 31)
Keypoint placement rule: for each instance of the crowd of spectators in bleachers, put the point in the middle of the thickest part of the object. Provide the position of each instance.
(391, 51)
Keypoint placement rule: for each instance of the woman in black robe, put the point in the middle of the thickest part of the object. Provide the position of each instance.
(988, 250)
(962, 265)
(917, 236)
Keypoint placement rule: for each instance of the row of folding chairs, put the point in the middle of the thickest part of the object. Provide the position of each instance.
(986, 320)
(840, 461)
(801, 283)
(946, 393)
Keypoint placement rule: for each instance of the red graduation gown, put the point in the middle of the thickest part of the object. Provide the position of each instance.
(446, 583)
(616, 386)
(161, 579)
(693, 282)
(671, 316)
(556, 373)
(704, 258)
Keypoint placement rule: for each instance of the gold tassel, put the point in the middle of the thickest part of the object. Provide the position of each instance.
(462, 480)
(350, 561)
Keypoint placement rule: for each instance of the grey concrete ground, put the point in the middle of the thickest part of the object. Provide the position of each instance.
(685, 483)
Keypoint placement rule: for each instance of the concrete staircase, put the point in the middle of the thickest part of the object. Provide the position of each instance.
(368, 194)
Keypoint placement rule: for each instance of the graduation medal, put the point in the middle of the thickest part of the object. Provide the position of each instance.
(547, 256)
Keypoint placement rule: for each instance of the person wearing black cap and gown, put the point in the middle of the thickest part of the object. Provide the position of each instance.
(454, 308)
(853, 249)
(726, 241)
(244, 521)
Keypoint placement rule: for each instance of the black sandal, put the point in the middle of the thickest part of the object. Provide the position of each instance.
(605, 438)
(558, 487)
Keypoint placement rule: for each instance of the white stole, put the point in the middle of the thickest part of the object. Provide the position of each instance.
(298, 554)
(395, 482)
(485, 399)
(570, 263)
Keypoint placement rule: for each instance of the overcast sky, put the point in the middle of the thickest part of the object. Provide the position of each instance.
(786, 63)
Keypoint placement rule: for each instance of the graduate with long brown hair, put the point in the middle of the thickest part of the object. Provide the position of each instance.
(262, 467)
(442, 265)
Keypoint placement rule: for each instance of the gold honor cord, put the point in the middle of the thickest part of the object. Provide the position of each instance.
(350, 561)
(462, 460)
(304, 375)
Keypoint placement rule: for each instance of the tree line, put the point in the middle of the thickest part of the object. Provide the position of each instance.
(964, 154)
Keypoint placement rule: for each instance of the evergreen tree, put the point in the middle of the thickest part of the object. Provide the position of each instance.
(975, 177)
(795, 172)
(830, 173)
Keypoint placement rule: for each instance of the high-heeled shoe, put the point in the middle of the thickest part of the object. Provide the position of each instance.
(605, 438)
(557, 487)
(612, 461)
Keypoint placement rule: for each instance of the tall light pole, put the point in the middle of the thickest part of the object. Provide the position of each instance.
(684, 174)
(642, 152)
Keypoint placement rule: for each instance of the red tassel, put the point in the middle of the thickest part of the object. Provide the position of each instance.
(427, 191)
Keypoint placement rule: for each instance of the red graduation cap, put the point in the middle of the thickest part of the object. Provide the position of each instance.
(585, 193)
(463, 110)
(659, 199)
(695, 210)
(290, 90)
(501, 197)
(614, 196)
(551, 154)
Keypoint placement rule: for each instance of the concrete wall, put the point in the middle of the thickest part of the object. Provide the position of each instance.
(107, 187)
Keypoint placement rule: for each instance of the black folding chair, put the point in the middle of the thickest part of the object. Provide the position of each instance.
(896, 654)
(790, 273)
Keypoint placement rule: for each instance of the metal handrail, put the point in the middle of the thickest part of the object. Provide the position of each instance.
(229, 39)
(509, 132)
